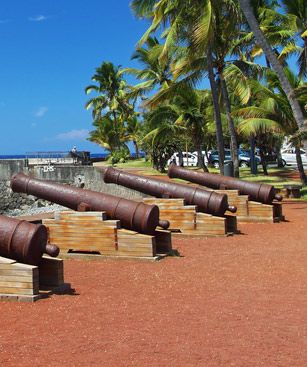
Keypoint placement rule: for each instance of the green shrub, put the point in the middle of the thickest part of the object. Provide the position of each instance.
(119, 156)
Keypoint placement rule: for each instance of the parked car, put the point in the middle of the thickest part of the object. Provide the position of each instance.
(288, 156)
(243, 155)
(189, 159)
(204, 156)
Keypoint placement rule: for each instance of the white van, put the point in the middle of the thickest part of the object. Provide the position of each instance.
(288, 156)
(189, 159)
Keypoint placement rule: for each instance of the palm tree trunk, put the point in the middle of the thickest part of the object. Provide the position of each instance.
(217, 112)
(200, 158)
(253, 164)
(263, 162)
(279, 157)
(262, 42)
(231, 127)
(300, 166)
(136, 147)
(180, 158)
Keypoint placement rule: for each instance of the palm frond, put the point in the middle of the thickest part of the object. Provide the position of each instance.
(258, 125)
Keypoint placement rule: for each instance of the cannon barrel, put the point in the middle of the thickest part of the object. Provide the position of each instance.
(133, 215)
(23, 241)
(262, 193)
(206, 201)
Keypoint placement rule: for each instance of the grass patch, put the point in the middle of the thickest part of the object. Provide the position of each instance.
(140, 165)
(277, 176)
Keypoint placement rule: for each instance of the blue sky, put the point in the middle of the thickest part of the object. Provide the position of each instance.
(49, 51)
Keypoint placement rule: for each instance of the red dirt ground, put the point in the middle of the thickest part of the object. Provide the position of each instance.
(235, 301)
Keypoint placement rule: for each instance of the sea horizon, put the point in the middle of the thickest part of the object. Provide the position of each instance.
(36, 154)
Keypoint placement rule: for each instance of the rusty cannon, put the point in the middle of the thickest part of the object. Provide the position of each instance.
(23, 241)
(206, 201)
(262, 193)
(133, 215)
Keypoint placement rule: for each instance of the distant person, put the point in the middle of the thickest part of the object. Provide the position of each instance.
(74, 154)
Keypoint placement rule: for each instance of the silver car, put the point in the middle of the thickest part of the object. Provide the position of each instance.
(289, 158)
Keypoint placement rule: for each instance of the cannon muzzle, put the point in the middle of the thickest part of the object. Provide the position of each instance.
(262, 193)
(133, 215)
(206, 201)
(23, 241)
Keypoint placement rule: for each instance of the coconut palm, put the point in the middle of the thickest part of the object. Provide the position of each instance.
(272, 114)
(154, 71)
(133, 133)
(190, 106)
(184, 19)
(111, 93)
(247, 9)
(107, 135)
(161, 135)
(296, 19)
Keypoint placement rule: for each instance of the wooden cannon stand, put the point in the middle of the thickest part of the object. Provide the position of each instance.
(89, 235)
(27, 283)
(252, 211)
(186, 220)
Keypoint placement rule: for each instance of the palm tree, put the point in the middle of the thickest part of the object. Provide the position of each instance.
(154, 71)
(107, 135)
(190, 106)
(248, 11)
(182, 18)
(296, 18)
(272, 114)
(161, 135)
(133, 131)
(113, 114)
(112, 93)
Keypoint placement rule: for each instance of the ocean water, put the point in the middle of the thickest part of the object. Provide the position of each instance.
(23, 156)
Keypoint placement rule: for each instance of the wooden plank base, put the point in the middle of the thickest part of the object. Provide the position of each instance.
(98, 257)
(263, 213)
(91, 233)
(27, 283)
(252, 211)
(20, 297)
(185, 220)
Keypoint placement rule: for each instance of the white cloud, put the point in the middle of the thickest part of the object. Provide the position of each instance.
(73, 135)
(41, 111)
(38, 18)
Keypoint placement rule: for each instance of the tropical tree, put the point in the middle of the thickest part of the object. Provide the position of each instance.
(271, 116)
(248, 10)
(182, 18)
(133, 133)
(296, 19)
(107, 135)
(161, 135)
(112, 111)
(154, 72)
(111, 92)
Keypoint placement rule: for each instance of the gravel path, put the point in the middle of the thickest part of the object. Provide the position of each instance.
(35, 210)
(232, 301)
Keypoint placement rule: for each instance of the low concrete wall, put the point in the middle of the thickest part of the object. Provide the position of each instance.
(89, 177)
(10, 166)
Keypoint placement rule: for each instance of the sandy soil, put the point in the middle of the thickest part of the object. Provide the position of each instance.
(236, 301)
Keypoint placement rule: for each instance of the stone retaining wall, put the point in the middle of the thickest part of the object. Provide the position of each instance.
(88, 177)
